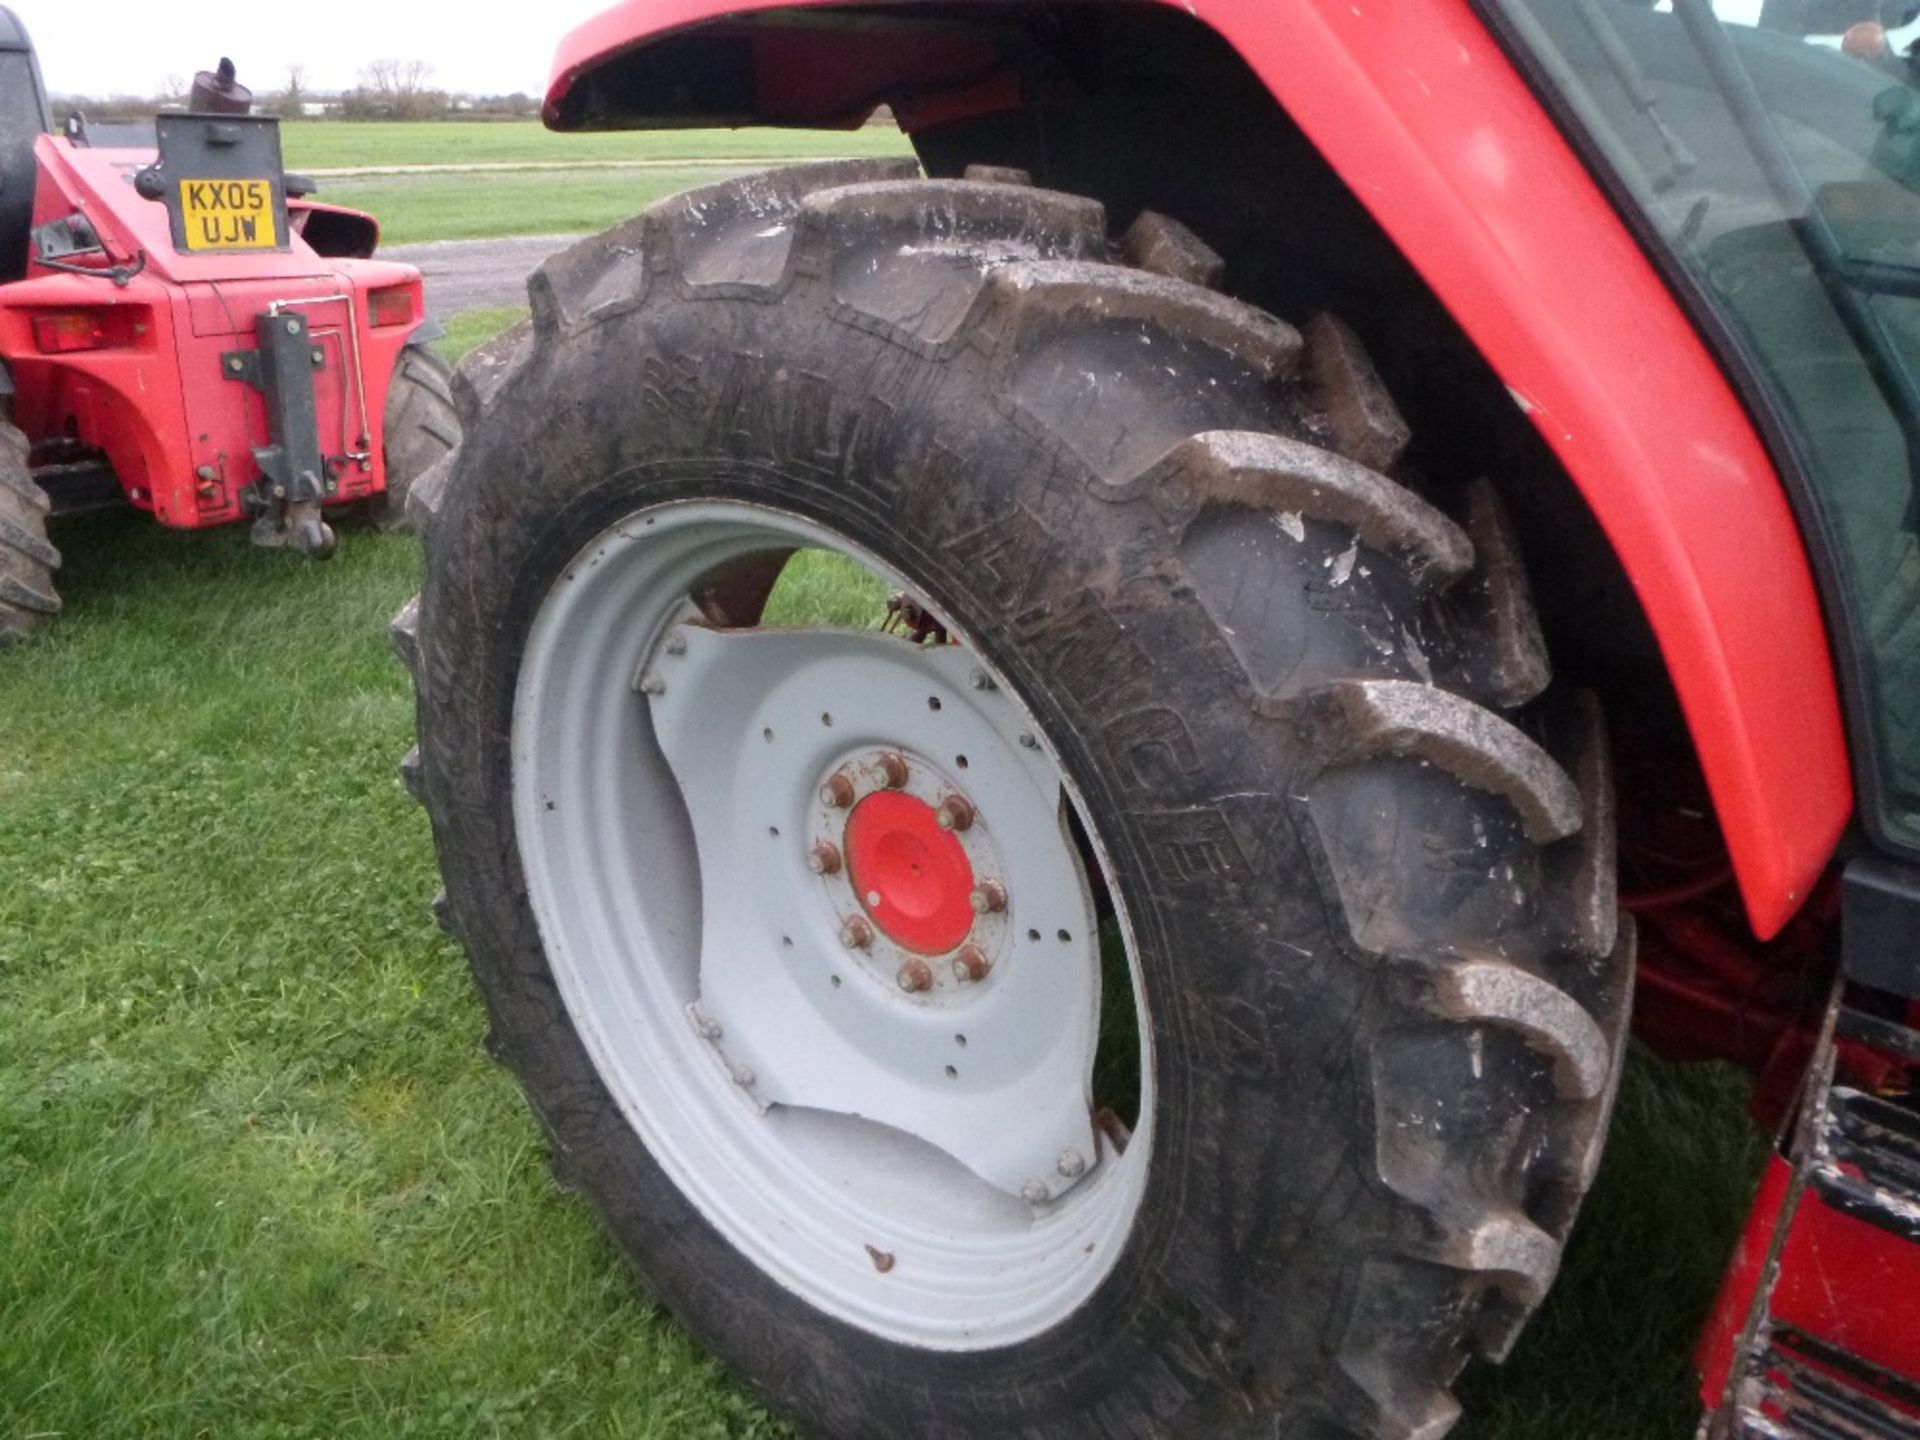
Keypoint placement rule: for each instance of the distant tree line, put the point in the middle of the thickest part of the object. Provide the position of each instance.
(387, 90)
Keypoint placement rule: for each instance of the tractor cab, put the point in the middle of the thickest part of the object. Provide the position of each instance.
(1769, 155)
(23, 118)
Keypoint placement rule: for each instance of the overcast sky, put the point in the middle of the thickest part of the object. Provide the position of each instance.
(105, 46)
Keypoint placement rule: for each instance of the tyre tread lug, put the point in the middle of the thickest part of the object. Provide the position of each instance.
(1367, 426)
(1368, 718)
(1161, 245)
(1548, 1019)
(1276, 474)
(1063, 290)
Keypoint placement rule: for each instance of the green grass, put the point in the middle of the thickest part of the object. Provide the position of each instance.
(476, 327)
(256, 1179)
(328, 145)
(463, 206)
(1609, 1356)
(522, 202)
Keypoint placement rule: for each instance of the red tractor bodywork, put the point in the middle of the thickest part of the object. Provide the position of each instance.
(1429, 125)
(138, 372)
(1841, 1285)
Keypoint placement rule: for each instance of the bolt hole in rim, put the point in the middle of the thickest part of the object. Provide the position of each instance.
(617, 889)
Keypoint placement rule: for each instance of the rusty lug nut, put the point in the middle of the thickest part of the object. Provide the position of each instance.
(838, 791)
(893, 769)
(914, 977)
(954, 813)
(970, 965)
(989, 897)
(825, 858)
(856, 934)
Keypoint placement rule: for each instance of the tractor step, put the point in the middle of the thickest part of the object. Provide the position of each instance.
(1805, 1389)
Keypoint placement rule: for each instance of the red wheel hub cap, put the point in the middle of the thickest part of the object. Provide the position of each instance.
(913, 877)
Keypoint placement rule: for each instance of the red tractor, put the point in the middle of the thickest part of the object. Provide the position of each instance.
(1401, 528)
(184, 330)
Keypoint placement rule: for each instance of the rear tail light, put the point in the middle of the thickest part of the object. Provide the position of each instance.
(92, 327)
(392, 306)
(59, 332)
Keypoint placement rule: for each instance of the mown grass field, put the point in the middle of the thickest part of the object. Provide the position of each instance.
(473, 206)
(329, 144)
(604, 189)
(257, 1178)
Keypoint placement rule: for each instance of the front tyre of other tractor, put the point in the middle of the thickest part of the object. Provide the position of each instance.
(28, 558)
(422, 428)
(1183, 1004)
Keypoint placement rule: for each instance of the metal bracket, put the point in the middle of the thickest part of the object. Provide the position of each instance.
(294, 478)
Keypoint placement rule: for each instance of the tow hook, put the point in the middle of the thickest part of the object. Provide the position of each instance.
(280, 524)
(312, 536)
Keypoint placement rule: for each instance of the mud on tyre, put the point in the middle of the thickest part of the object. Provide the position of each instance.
(1352, 864)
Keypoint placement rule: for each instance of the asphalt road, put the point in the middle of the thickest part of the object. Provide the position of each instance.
(476, 274)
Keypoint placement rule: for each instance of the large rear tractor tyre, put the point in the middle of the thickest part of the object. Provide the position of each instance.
(28, 600)
(1186, 1004)
(422, 429)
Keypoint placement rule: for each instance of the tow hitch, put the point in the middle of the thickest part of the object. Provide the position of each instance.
(294, 477)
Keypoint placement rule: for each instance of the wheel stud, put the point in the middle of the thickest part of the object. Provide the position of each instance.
(954, 813)
(1071, 1164)
(989, 897)
(970, 965)
(824, 858)
(914, 977)
(838, 791)
(893, 769)
(856, 934)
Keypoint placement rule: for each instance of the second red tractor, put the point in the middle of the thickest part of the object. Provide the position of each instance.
(183, 329)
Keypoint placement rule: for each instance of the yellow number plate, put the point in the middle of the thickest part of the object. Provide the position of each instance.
(228, 214)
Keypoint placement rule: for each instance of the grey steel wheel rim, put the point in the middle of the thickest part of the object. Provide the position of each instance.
(932, 1173)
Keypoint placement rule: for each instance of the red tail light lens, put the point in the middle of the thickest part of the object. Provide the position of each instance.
(92, 327)
(392, 306)
(59, 332)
